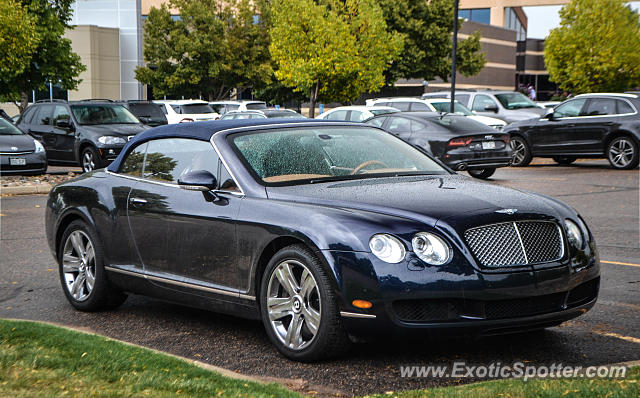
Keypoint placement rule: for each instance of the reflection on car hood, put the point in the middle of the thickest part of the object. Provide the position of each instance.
(115, 129)
(22, 143)
(526, 113)
(435, 197)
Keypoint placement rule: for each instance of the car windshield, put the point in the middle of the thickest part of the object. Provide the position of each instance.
(383, 111)
(459, 124)
(458, 108)
(309, 155)
(103, 114)
(191, 109)
(257, 105)
(6, 128)
(515, 101)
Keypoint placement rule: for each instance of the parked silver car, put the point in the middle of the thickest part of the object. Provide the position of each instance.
(510, 106)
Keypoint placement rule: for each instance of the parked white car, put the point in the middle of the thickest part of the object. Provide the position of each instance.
(355, 113)
(187, 111)
(223, 107)
(408, 104)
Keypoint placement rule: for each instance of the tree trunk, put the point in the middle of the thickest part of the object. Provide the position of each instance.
(24, 101)
(313, 98)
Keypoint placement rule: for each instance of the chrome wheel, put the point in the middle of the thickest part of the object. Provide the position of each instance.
(79, 265)
(621, 152)
(88, 161)
(293, 304)
(519, 151)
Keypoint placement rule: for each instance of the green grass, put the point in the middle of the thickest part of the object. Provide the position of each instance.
(48, 361)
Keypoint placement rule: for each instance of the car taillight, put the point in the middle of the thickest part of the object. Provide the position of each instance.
(186, 120)
(460, 141)
(506, 138)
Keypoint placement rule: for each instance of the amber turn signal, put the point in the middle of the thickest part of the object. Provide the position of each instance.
(361, 304)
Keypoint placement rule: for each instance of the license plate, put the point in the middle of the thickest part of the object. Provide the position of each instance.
(17, 161)
(488, 145)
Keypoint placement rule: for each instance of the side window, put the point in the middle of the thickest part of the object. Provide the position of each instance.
(624, 107)
(600, 106)
(232, 107)
(419, 107)
(337, 115)
(28, 115)
(569, 109)
(463, 99)
(357, 116)
(169, 159)
(132, 165)
(480, 102)
(377, 122)
(417, 126)
(44, 115)
(226, 182)
(403, 106)
(177, 109)
(399, 124)
(60, 113)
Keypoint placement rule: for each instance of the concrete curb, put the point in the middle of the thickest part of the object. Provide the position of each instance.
(25, 190)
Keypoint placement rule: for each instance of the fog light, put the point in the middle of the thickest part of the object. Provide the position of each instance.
(362, 304)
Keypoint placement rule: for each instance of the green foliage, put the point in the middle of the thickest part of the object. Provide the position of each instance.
(18, 38)
(334, 49)
(213, 48)
(596, 48)
(427, 28)
(53, 60)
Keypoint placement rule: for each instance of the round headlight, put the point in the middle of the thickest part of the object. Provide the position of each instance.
(387, 248)
(431, 248)
(574, 235)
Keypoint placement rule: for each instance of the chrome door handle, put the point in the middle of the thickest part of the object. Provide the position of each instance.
(137, 201)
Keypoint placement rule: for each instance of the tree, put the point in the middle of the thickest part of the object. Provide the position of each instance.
(596, 48)
(427, 28)
(212, 49)
(52, 61)
(18, 38)
(335, 50)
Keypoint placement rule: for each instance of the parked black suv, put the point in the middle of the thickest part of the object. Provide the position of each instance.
(459, 142)
(90, 133)
(587, 126)
(147, 112)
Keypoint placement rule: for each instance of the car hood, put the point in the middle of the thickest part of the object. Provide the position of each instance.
(423, 198)
(116, 129)
(21, 143)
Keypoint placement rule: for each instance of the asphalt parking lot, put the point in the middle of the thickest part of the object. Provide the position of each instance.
(610, 333)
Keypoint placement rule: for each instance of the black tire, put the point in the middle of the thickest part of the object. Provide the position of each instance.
(521, 152)
(622, 153)
(103, 295)
(483, 174)
(89, 159)
(564, 160)
(330, 339)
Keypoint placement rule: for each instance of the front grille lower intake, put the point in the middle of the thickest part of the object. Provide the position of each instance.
(518, 243)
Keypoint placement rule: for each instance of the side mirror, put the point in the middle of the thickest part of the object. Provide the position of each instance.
(64, 124)
(549, 114)
(491, 108)
(198, 180)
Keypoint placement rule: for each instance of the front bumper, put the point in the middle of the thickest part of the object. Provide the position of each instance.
(109, 154)
(35, 163)
(460, 299)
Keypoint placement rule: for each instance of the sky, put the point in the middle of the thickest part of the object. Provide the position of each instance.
(543, 19)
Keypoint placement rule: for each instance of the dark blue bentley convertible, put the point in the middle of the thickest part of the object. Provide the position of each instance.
(326, 231)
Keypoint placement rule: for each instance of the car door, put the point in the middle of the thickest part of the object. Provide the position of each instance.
(185, 237)
(41, 129)
(64, 137)
(592, 125)
(483, 105)
(556, 134)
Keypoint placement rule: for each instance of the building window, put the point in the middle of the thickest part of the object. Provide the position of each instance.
(480, 15)
(511, 21)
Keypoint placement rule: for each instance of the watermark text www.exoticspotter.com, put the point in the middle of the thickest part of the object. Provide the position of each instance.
(519, 370)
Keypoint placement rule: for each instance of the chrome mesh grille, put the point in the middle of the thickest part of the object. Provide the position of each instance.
(516, 243)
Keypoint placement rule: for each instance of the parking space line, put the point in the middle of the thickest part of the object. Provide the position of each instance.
(620, 263)
(619, 336)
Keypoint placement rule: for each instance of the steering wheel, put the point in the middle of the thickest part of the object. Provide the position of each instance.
(367, 164)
